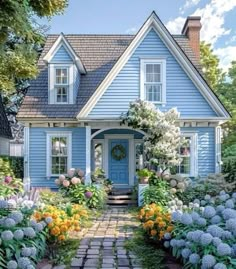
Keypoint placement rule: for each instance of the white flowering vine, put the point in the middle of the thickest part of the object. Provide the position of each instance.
(162, 135)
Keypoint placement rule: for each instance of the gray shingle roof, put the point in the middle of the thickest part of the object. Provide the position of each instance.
(98, 53)
(5, 130)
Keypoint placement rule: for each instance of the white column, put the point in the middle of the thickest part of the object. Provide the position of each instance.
(26, 179)
(88, 155)
(217, 149)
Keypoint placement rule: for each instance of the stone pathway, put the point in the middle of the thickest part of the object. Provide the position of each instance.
(103, 244)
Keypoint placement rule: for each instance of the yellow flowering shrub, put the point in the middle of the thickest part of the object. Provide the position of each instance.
(156, 221)
(60, 222)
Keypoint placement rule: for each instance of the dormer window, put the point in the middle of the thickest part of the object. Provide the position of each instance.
(153, 80)
(61, 85)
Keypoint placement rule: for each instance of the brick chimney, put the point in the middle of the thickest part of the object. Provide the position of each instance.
(192, 29)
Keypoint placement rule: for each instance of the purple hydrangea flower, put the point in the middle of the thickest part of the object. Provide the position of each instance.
(231, 225)
(176, 216)
(220, 208)
(195, 216)
(8, 222)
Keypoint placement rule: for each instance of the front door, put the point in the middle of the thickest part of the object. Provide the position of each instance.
(118, 161)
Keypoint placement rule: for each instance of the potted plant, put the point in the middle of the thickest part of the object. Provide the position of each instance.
(144, 175)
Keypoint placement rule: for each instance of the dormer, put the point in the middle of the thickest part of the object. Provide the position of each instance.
(64, 70)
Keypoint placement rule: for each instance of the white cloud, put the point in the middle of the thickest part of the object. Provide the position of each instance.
(226, 55)
(131, 30)
(188, 4)
(213, 18)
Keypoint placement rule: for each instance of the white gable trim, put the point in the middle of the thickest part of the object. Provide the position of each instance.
(61, 41)
(153, 22)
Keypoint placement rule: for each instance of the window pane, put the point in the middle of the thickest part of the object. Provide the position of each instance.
(61, 76)
(62, 94)
(157, 68)
(59, 146)
(153, 73)
(98, 151)
(153, 92)
(185, 165)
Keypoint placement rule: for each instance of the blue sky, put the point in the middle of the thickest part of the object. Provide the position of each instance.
(127, 16)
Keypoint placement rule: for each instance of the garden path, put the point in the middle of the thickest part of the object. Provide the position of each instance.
(103, 244)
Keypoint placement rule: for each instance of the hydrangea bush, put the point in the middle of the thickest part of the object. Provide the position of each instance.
(22, 244)
(204, 234)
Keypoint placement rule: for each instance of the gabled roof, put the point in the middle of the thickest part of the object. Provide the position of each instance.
(62, 41)
(5, 130)
(153, 22)
(99, 54)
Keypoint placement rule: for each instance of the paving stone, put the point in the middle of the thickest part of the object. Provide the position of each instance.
(76, 262)
(91, 262)
(123, 262)
(93, 251)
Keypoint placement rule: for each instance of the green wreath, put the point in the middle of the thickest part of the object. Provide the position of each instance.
(118, 152)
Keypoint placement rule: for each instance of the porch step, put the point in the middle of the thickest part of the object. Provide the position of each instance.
(121, 197)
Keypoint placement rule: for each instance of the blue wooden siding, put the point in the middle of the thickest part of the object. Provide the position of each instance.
(136, 134)
(180, 90)
(38, 151)
(61, 56)
(206, 149)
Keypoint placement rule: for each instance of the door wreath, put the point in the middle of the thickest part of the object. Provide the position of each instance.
(118, 152)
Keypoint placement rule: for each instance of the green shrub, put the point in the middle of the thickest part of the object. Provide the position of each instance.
(158, 194)
(229, 168)
(53, 198)
(12, 166)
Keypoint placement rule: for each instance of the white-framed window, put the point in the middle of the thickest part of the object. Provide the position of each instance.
(58, 153)
(98, 153)
(139, 154)
(61, 85)
(153, 80)
(188, 153)
(61, 79)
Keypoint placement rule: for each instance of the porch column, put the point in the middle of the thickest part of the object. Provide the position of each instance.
(88, 155)
(217, 149)
(26, 179)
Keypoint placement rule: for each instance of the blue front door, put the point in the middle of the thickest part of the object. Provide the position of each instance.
(119, 169)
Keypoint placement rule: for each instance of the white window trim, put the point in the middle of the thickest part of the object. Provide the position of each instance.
(193, 154)
(51, 134)
(143, 63)
(52, 79)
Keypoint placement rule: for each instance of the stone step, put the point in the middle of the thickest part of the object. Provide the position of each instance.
(119, 197)
(121, 202)
(121, 191)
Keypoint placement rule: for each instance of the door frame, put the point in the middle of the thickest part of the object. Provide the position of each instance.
(130, 138)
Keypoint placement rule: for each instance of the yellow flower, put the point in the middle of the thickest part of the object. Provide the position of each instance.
(153, 232)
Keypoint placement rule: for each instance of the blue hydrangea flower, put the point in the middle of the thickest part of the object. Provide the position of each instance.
(215, 230)
(33, 223)
(180, 243)
(233, 250)
(197, 236)
(186, 219)
(208, 261)
(30, 267)
(220, 208)
(29, 232)
(234, 195)
(18, 234)
(26, 252)
(196, 201)
(48, 220)
(229, 213)
(223, 249)
(227, 235)
(8, 222)
(216, 219)
(203, 203)
(216, 241)
(12, 265)
(33, 251)
(201, 222)
(7, 235)
(17, 216)
(188, 244)
(194, 258)
(229, 203)
(166, 244)
(231, 225)
(220, 266)
(209, 212)
(176, 216)
(206, 239)
(3, 204)
(23, 262)
(195, 216)
(223, 197)
(186, 252)
(167, 236)
(207, 197)
(189, 236)
(38, 227)
(173, 242)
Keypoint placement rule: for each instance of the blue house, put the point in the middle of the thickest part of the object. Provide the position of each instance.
(72, 110)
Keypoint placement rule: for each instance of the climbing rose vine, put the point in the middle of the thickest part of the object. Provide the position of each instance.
(162, 136)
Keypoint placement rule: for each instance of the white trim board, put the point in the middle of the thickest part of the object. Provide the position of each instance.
(131, 154)
(115, 128)
(62, 41)
(153, 22)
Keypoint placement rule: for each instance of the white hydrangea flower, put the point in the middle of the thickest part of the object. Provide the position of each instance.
(196, 201)
(223, 249)
(207, 197)
(208, 261)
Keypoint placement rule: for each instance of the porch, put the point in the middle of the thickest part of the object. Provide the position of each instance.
(119, 152)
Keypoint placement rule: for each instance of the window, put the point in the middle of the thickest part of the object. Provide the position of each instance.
(59, 153)
(139, 154)
(98, 154)
(188, 155)
(153, 80)
(61, 85)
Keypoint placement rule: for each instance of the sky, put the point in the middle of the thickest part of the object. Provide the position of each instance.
(127, 16)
